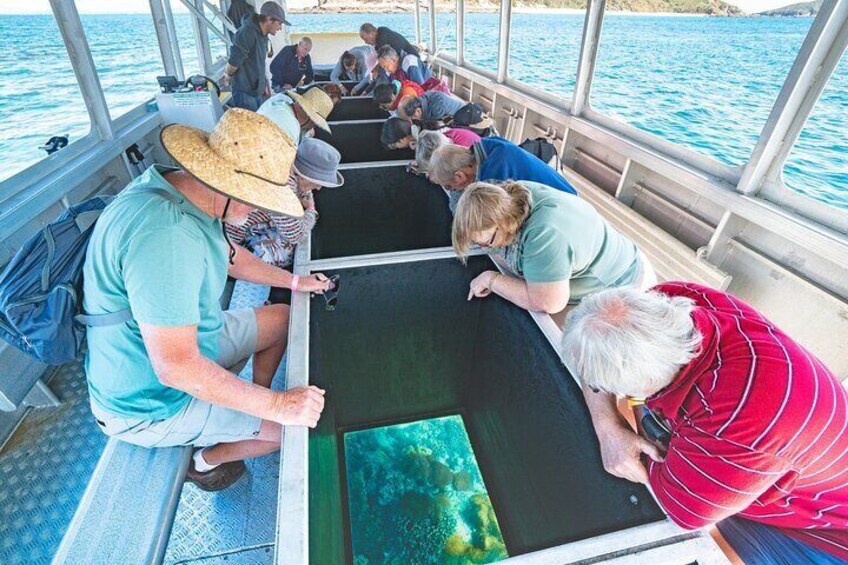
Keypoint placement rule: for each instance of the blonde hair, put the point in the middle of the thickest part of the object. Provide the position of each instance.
(484, 206)
(447, 160)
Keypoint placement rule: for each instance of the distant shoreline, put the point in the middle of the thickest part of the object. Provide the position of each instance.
(525, 10)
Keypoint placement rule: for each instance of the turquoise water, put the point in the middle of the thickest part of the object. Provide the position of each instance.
(415, 495)
(705, 83)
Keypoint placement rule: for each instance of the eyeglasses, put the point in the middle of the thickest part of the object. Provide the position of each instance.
(491, 243)
(331, 296)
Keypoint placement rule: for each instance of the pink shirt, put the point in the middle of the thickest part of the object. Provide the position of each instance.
(463, 137)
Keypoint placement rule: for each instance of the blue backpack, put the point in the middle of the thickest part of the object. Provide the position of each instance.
(41, 288)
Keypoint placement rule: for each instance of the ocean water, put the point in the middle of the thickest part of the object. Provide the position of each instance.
(705, 83)
(415, 495)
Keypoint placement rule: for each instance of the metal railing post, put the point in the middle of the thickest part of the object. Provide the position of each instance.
(503, 39)
(166, 49)
(417, 21)
(73, 34)
(172, 33)
(588, 55)
(816, 61)
(201, 36)
(432, 8)
(460, 32)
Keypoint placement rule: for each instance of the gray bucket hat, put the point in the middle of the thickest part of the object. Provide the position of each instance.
(318, 162)
(275, 11)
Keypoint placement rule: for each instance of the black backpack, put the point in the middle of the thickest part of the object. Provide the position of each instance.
(542, 149)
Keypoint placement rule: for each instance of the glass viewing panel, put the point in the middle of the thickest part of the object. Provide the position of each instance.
(552, 38)
(415, 495)
(39, 96)
(705, 83)
(818, 164)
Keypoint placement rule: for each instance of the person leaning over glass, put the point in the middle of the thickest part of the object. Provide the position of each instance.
(555, 248)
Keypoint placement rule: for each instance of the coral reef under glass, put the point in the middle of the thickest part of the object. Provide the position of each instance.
(416, 496)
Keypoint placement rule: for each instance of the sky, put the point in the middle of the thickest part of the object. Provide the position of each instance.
(143, 6)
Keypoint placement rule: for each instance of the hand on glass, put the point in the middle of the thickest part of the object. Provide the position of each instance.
(301, 406)
(621, 450)
(481, 286)
(316, 282)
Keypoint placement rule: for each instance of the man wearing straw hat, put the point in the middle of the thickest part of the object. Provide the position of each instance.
(159, 252)
(299, 113)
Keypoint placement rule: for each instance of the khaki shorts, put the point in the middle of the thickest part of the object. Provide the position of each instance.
(197, 423)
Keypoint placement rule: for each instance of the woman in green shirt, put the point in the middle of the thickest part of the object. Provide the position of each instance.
(554, 246)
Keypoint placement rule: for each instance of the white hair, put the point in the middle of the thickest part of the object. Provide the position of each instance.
(628, 342)
(427, 142)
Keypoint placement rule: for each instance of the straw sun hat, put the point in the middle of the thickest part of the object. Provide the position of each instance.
(317, 104)
(247, 158)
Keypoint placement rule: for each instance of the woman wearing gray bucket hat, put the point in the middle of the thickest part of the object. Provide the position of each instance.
(273, 237)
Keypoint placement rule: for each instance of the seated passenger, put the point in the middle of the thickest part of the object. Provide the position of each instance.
(334, 91)
(398, 134)
(555, 248)
(355, 65)
(298, 113)
(432, 108)
(274, 237)
(160, 250)
(291, 65)
(747, 428)
(428, 141)
(493, 158)
(408, 68)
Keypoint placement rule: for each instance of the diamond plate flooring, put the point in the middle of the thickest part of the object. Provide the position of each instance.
(236, 525)
(45, 467)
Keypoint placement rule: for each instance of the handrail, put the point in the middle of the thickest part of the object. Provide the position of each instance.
(201, 16)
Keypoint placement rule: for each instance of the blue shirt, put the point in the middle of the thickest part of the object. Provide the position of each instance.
(167, 262)
(499, 159)
(286, 68)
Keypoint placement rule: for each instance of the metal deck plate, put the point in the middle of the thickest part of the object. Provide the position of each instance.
(235, 525)
(45, 467)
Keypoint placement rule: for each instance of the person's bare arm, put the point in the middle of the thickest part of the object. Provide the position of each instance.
(178, 364)
(621, 447)
(248, 267)
(537, 297)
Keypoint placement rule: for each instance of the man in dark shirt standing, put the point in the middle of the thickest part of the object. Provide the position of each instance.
(292, 64)
(379, 36)
(246, 65)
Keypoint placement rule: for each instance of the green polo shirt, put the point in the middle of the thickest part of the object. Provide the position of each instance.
(167, 262)
(563, 238)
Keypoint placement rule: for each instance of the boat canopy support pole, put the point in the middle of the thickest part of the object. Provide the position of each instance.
(432, 10)
(166, 48)
(417, 21)
(172, 33)
(460, 32)
(201, 34)
(588, 55)
(503, 39)
(816, 61)
(73, 34)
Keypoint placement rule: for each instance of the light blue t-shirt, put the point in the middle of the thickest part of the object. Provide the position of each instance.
(279, 109)
(167, 262)
(565, 238)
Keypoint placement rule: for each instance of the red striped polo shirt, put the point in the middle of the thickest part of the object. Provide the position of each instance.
(758, 429)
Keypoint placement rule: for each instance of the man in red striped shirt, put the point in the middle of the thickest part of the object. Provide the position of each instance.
(756, 426)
